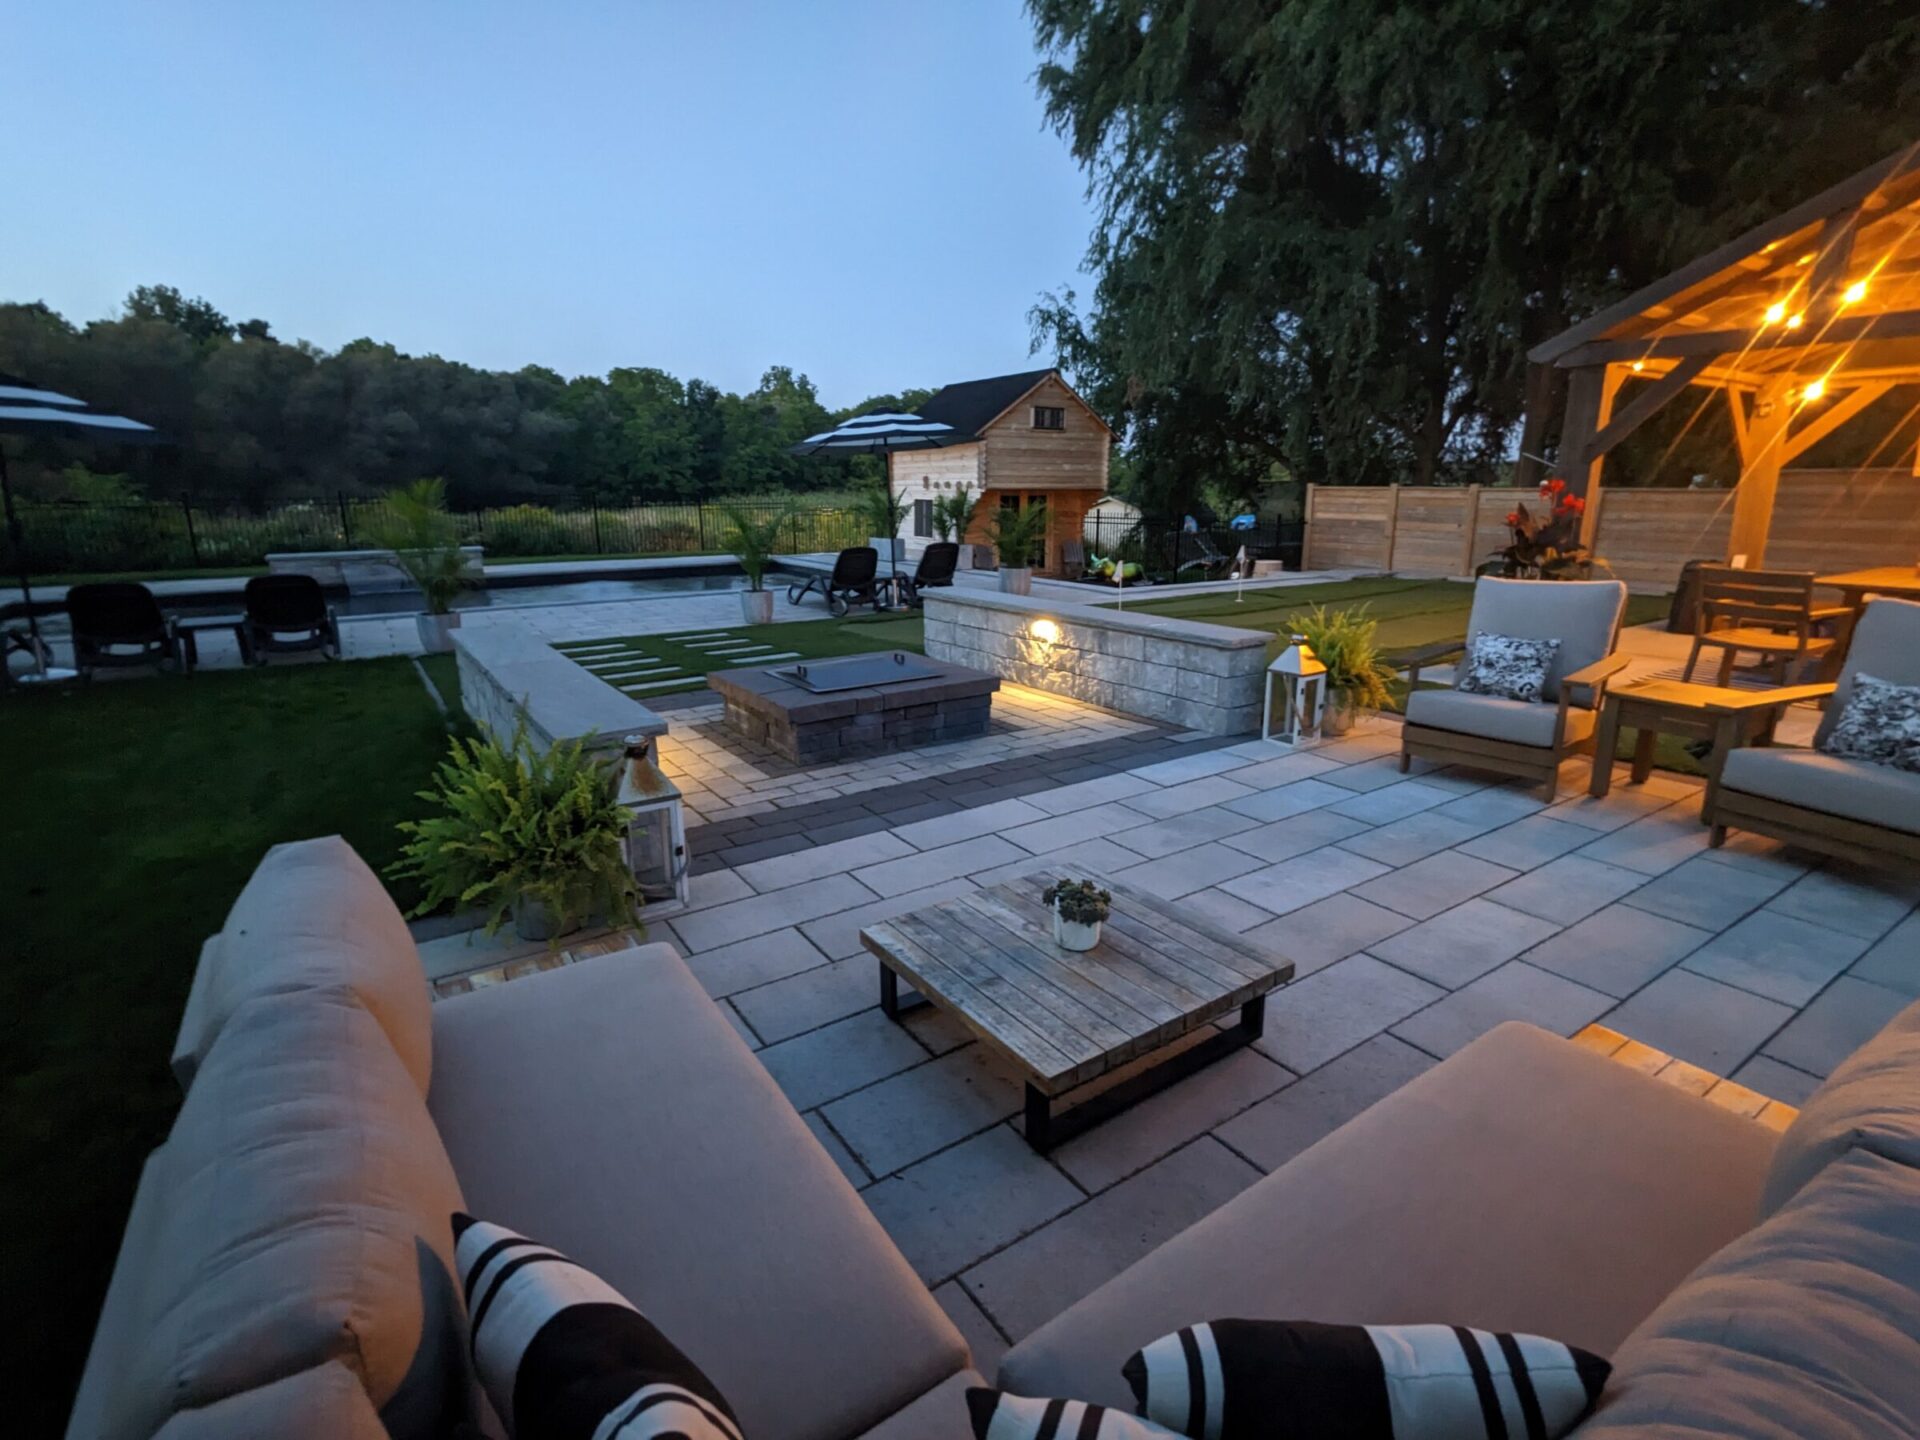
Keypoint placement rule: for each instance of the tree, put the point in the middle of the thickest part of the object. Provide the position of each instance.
(195, 319)
(1330, 229)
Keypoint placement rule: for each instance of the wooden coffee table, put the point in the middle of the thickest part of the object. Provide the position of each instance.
(1064, 1018)
(1667, 707)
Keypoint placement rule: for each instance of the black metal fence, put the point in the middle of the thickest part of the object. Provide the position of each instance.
(1165, 547)
(189, 534)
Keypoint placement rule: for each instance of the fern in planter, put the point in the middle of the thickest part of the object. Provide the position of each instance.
(1015, 533)
(1347, 643)
(517, 827)
(752, 539)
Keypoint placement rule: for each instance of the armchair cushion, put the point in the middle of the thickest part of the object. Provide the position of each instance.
(1583, 615)
(1880, 724)
(1507, 666)
(1832, 784)
(1886, 644)
(1493, 718)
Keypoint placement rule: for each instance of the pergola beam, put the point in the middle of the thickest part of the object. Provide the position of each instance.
(1842, 330)
(1648, 403)
(1836, 415)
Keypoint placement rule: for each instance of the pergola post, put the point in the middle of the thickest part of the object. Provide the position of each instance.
(1590, 397)
(1763, 453)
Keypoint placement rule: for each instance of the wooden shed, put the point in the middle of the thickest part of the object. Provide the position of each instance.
(1802, 324)
(1017, 440)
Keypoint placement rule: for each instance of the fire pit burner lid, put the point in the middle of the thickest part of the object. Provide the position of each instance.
(858, 672)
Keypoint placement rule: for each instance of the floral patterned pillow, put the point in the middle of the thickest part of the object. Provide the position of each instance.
(1881, 724)
(1507, 666)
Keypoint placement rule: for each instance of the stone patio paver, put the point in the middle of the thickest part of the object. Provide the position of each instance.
(1775, 1078)
(1391, 802)
(832, 1144)
(756, 961)
(1568, 889)
(1524, 844)
(1175, 876)
(1703, 892)
(983, 1337)
(1296, 835)
(1187, 796)
(1305, 1112)
(1618, 949)
(1841, 1019)
(1330, 1012)
(1714, 1026)
(1426, 887)
(1056, 832)
(829, 859)
(837, 936)
(1402, 842)
(1495, 806)
(1852, 899)
(1180, 832)
(930, 867)
(1894, 961)
(1228, 912)
(840, 1058)
(1515, 991)
(1458, 946)
(742, 919)
(808, 1000)
(1777, 956)
(1030, 1282)
(1316, 935)
(1293, 798)
(1653, 844)
(909, 1116)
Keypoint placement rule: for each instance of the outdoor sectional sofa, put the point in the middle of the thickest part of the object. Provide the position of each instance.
(285, 1266)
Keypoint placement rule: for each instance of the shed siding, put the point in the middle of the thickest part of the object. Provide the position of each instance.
(1019, 457)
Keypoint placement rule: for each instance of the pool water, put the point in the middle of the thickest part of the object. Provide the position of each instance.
(558, 592)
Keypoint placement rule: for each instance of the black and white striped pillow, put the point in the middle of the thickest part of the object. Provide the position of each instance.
(564, 1356)
(997, 1415)
(1239, 1379)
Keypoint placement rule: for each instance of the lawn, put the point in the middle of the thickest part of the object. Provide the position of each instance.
(644, 665)
(134, 812)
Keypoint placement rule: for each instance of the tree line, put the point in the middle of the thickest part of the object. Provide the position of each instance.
(1330, 230)
(256, 419)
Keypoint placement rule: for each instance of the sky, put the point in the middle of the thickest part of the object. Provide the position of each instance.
(864, 191)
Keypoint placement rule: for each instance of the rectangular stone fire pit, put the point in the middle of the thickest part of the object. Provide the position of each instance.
(855, 706)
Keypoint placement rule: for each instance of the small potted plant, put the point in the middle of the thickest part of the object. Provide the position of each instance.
(1078, 908)
(885, 512)
(535, 836)
(1347, 643)
(751, 541)
(426, 546)
(1544, 543)
(1015, 534)
(952, 518)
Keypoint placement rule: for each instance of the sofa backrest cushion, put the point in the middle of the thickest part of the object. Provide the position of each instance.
(1805, 1327)
(1583, 615)
(312, 916)
(324, 1403)
(1871, 1102)
(1885, 644)
(299, 1213)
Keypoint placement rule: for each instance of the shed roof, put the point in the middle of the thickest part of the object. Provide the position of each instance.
(1804, 261)
(972, 405)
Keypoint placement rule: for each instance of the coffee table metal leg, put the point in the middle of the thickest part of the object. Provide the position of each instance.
(889, 992)
(1039, 1120)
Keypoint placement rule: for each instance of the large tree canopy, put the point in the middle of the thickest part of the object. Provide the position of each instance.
(1330, 229)
(256, 420)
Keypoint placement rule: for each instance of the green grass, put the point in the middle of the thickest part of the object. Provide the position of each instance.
(644, 665)
(134, 813)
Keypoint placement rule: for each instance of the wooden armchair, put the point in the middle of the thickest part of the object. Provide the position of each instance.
(1855, 809)
(1513, 737)
(1769, 613)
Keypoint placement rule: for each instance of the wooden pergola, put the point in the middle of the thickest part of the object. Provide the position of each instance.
(1803, 322)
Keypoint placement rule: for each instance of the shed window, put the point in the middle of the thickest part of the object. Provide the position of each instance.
(922, 519)
(1049, 417)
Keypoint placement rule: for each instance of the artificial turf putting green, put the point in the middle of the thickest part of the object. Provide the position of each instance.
(644, 665)
(134, 811)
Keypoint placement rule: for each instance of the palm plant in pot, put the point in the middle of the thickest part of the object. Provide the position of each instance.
(425, 541)
(1015, 535)
(885, 512)
(1347, 643)
(952, 518)
(1079, 907)
(521, 833)
(751, 539)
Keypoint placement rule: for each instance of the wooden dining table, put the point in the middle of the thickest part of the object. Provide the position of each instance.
(1899, 581)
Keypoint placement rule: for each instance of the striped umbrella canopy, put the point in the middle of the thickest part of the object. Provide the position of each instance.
(876, 433)
(30, 409)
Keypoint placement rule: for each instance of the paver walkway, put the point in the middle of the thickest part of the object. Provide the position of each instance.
(1421, 910)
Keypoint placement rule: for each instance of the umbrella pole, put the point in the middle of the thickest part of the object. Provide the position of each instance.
(18, 535)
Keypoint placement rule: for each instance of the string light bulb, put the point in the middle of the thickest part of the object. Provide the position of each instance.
(1638, 366)
(1854, 293)
(1815, 389)
(1795, 320)
(1776, 312)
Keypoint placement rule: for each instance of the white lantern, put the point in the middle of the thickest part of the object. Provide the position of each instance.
(1303, 695)
(656, 827)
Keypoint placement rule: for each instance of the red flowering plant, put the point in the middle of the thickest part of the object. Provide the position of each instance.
(1546, 540)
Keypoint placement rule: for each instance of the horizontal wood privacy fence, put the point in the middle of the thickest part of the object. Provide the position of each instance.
(1823, 520)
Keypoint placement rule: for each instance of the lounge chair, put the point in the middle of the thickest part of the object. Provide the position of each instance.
(1211, 560)
(117, 624)
(935, 571)
(1834, 804)
(1515, 737)
(851, 583)
(286, 613)
(19, 637)
(1769, 613)
(1073, 559)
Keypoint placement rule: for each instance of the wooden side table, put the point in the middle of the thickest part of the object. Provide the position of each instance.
(1671, 707)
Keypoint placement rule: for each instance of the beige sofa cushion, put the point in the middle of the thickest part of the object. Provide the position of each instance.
(300, 1212)
(325, 1403)
(1493, 717)
(1526, 1184)
(940, 1414)
(312, 916)
(1854, 789)
(607, 1108)
(1807, 1328)
(1871, 1102)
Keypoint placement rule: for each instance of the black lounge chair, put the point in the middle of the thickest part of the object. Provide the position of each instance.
(1211, 561)
(109, 618)
(286, 613)
(1073, 559)
(935, 571)
(851, 582)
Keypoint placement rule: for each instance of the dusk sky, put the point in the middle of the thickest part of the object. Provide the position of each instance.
(863, 191)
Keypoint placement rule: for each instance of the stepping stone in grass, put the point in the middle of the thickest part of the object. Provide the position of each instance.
(697, 635)
(657, 684)
(765, 659)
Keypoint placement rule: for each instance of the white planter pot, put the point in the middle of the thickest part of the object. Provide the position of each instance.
(436, 631)
(1072, 935)
(1016, 580)
(757, 606)
(894, 549)
(964, 560)
(1338, 715)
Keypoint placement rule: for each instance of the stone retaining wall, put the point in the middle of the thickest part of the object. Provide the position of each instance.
(507, 674)
(1181, 672)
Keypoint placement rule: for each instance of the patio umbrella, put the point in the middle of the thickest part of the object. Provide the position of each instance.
(878, 432)
(29, 409)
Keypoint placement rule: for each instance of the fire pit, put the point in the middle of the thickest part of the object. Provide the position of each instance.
(828, 709)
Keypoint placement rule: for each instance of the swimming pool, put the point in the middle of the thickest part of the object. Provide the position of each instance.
(500, 593)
